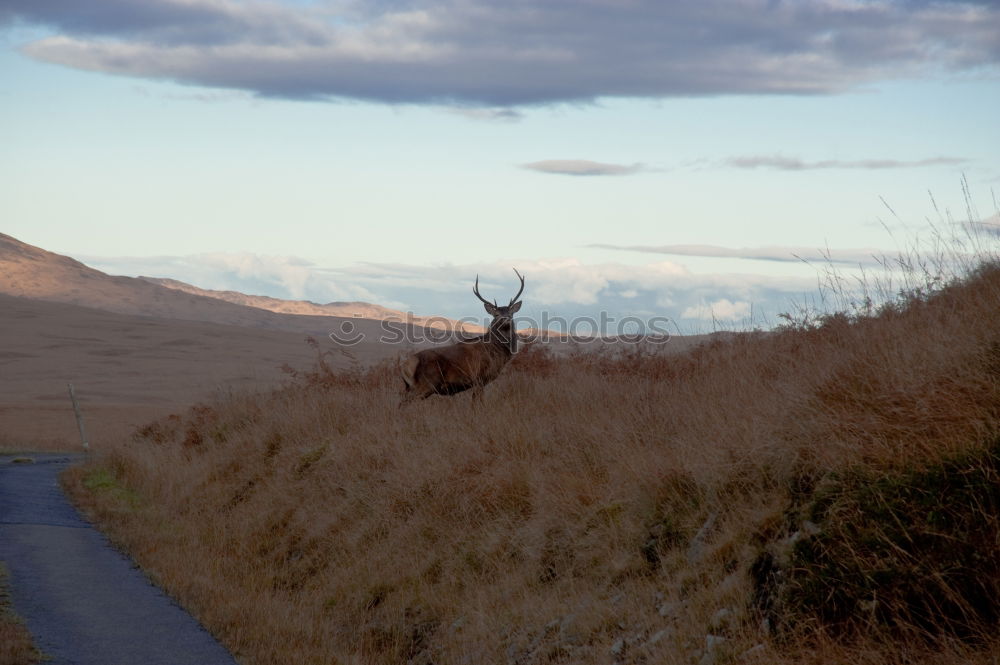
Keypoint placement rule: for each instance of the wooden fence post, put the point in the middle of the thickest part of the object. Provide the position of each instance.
(79, 418)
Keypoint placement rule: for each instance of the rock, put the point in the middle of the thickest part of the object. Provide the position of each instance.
(618, 648)
(721, 619)
(712, 643)
(756, 650)
(669, 609)
(696, 550)
(657, 636)
(567, 632)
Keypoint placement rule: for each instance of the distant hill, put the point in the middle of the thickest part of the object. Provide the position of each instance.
(354, 309)
(128, 369)
(136, 349)
(31, 272)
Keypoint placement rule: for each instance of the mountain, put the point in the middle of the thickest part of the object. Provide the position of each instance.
(134, 349)
(31, 272)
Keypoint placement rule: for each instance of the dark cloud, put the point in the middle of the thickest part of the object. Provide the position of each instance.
(165, 23)
(772, 253)
(782, 163)
(480, 53)
(581, 167)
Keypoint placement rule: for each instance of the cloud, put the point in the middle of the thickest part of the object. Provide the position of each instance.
(287, 277)
(783, 163)
(491, 115)
(581, 167)
(769, 253)
(722, 310)
(989, 226)
(522, 52)
(558, 291)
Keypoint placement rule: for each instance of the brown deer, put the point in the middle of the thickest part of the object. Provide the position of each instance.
(468, 364)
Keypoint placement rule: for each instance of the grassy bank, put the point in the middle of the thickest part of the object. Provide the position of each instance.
(16, 646)
(824, 493)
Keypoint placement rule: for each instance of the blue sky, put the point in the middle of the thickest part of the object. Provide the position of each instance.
(643, 158)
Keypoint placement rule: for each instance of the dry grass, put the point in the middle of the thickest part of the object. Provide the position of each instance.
(590, 510)
(16, 646)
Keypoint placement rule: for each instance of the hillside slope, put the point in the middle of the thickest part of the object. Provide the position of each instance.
(826, 494)
(31, 272)
(126, 369)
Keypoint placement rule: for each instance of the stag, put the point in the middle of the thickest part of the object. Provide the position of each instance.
(471, 363)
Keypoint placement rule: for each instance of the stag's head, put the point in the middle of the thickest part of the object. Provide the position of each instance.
(502, 330)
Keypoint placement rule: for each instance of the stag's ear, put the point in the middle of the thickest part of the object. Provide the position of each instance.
(513, 308)
(491, 309)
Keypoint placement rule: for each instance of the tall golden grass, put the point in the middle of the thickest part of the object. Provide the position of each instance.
(605, 507)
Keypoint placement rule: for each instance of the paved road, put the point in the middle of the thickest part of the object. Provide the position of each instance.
(85, 603)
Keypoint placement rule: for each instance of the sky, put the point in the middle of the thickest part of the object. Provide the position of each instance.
(698, 162)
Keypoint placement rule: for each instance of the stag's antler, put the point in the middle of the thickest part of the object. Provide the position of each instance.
(514, 299)
(475, 290)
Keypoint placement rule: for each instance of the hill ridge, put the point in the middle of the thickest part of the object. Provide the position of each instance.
(32, 272)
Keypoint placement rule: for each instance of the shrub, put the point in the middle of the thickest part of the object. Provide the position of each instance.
(911, 552)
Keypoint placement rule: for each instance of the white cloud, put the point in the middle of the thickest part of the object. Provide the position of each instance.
(781, 253)
(287, 272)
(565, 288)
(286, 277)
(722, 310)
(783, 163)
